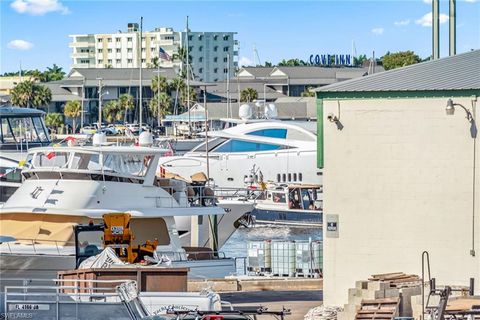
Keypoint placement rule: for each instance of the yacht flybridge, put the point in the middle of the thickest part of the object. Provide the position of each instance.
(283, 153)
(65, 186)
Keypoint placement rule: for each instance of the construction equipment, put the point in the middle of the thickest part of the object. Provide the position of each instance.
(115, 233)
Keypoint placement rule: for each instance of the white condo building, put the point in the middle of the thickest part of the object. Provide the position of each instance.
(213, 55)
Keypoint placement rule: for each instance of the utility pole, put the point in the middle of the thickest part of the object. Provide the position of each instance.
(100, 94)
(140, 80)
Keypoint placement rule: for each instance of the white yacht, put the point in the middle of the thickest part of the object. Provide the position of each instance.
(282, 152)
(20, 129)
(65, 186)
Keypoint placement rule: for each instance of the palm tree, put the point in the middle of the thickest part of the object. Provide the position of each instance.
(248, 95)
(30, 95)
(111, 111)
(177, 85)
(160, 105)
(159, 83)
(73, 110)
(308, 92)
(54, 120)
(53, 74)
(126, 102)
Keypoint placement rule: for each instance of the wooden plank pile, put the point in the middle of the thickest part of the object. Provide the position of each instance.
(387, 287)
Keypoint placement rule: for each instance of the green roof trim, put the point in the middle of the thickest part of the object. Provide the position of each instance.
(398, 94)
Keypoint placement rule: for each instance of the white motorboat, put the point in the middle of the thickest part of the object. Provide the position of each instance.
(65, 186)
(283, 152)
(21, 129)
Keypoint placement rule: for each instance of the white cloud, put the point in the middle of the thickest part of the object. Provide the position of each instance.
(244, 61)
(20, 45)
(471, 1)
(378, 31)
(401, 23)
(427, 1)
(38, 7)
(426, 20)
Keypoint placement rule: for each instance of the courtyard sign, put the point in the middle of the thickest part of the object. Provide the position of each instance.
(331, 59)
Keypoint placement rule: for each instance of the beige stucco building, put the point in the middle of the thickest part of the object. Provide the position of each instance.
(400, 174)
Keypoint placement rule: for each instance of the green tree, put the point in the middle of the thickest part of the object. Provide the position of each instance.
(269, 64)
(160, 106)
(73, 110)
(308, 92)
(248, 95)
(53, 74)
(358, 61)
(159, 83)
(54, 120)
(30, 95)
(112, 111)
(399, 59)
(177, 85)
(126, 102)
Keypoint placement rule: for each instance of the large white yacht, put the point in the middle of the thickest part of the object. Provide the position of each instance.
(281, 152)
(65, 186)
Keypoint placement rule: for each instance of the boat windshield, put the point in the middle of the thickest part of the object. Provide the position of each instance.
(23, 129)
(122, 164)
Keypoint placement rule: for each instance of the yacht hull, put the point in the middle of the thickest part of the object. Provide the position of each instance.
(288, 217)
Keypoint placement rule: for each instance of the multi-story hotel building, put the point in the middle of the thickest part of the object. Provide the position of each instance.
(213, 55)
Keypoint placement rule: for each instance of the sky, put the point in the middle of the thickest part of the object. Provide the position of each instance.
(34, 33)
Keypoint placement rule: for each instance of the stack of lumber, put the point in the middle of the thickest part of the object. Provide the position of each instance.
(380, 288)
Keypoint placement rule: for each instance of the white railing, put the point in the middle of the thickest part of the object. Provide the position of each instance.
(38, 246)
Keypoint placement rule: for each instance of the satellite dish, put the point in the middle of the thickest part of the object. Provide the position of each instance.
(271, 111)
(245, 112)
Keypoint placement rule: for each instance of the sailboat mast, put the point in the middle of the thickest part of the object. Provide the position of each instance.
(188, 84)
(140, 100)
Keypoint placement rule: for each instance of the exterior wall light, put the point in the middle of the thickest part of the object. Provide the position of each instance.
(450, 110)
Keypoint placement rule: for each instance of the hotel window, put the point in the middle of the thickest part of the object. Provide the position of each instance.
(200, 37)
(215, 70)
(200, 70)
(143, 38)
(215, 48)
(225, 37)
(200, 59)
(99, 40)
(294, 177)
(289, 177)
(225, 49)
(100, 50)
(117, 40)
(143, 60)
(278, 177)
(284, 177)
(109, 61)
(190, 49)
(190, 38)
(109, 50)
(225, 70)
(100, 61)
(152, 49)
(200, 48)
(215, 80)
(118, 50)
(109, 39)
(143, 49)
(215, 37)
(119, 61)
(225, 59)
(215, 59)
(300, 177)
(129, 39)
(129, 50)
(152, 38)
(129, 60)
